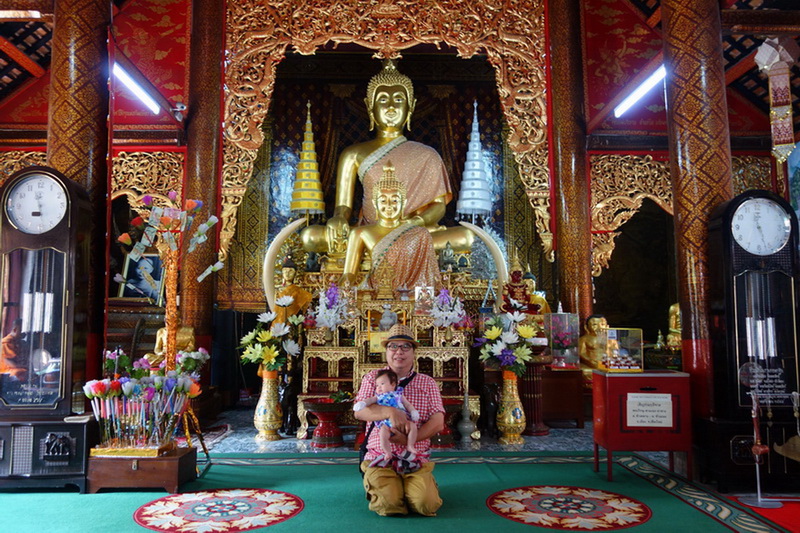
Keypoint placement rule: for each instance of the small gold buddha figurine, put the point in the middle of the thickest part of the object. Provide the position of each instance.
(534, 296)
(184, 342)
(301, 297)
(400, 250)
(390, 104)
(592, 346)
(674, 333)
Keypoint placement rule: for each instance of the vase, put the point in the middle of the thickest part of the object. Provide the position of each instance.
(510, 415)
(328, 336)
(466, 427)
(268, 417)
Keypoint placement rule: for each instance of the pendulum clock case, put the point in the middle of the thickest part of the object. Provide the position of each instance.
(44, 271)
(753, 296)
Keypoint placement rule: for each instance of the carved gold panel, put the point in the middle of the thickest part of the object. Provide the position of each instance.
(511, 34)
(136, 174)
(619, 184)
(15, 160)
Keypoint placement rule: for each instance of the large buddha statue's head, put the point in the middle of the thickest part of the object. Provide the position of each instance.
(390, 98)
(389, 196)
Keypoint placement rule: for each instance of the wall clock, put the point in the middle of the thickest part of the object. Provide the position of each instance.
(753, 267)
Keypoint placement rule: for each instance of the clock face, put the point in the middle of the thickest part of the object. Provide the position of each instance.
(761, 226)
(36, 204)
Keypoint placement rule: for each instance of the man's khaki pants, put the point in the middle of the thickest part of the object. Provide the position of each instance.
(391, 493)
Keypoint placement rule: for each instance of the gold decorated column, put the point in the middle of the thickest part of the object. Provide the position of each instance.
(202, 158)
(77, 133)
(700, 167)
(570, 183)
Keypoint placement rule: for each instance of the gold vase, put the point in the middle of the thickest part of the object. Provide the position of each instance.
(268, 417)
(328, 336)
(510, 415)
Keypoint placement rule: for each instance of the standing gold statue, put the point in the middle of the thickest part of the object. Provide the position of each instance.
(393, 241)
(674, 334)
(390, 103)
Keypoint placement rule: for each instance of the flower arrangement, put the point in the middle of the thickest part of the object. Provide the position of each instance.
(332, 308)
(192, 362)
(136, 409)
(447, 310)
(117, 362)
(562, 329)
(507, 342)
(139, 412)
(270, 346)
(341, 396)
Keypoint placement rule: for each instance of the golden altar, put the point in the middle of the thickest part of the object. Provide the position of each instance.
(337, 360)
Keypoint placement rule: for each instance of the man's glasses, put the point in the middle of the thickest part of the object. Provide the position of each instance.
(404, 347)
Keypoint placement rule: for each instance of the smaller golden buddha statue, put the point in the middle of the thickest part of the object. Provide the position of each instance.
(393, 241)
(535, 297)
(184, 342)
(592, 346)
(674, 333)
(301, 297)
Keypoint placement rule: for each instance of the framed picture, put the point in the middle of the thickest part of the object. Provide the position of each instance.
(143, 279)
(423, 300)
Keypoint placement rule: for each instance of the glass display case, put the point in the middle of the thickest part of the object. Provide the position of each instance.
(624, 350)
(562, 331)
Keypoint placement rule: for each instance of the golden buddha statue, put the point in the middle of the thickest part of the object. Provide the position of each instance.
(592, 346)
(674, 333)
(390, 104)
(392, 240)
(301, 297)
(534, 297)
(184, 342)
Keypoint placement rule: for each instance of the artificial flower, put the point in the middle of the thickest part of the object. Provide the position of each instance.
(125, 238)
(267, 317)
(447, 310)
(269, 343)
(506, 343)
(332, 309)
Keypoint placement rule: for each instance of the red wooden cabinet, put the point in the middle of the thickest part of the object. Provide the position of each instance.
(644, 411)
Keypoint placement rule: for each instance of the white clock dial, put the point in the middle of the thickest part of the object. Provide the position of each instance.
(761, 226)
(36, 204)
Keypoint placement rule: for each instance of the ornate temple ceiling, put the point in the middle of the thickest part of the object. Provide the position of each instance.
(621, 41)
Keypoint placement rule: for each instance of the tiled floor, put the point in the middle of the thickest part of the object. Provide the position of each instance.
(242, 440)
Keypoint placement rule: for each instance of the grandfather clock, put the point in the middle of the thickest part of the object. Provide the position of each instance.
(754, 274)
(44, 272)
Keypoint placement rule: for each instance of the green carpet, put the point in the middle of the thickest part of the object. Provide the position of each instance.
(329, 485)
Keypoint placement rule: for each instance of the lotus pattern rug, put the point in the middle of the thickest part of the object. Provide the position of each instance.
(227, 511)
(571, 508)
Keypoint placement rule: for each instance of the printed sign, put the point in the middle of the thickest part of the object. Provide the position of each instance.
(649, 410)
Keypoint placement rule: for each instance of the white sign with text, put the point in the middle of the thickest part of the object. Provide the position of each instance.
(649, 410)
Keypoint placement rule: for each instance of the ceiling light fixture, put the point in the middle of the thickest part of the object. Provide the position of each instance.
(19, 14)
(640, 91)
(136, 89)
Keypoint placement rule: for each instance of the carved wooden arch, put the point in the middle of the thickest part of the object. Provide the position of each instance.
(510, 33)
(620, 183)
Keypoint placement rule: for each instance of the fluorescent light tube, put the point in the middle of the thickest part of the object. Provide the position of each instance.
(136, 89)
(640, 91)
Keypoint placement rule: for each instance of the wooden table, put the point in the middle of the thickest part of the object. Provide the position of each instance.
(166, 471)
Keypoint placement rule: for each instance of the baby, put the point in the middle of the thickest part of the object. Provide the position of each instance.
(387, 393)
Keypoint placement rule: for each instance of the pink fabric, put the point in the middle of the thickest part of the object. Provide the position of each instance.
(423, 393)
